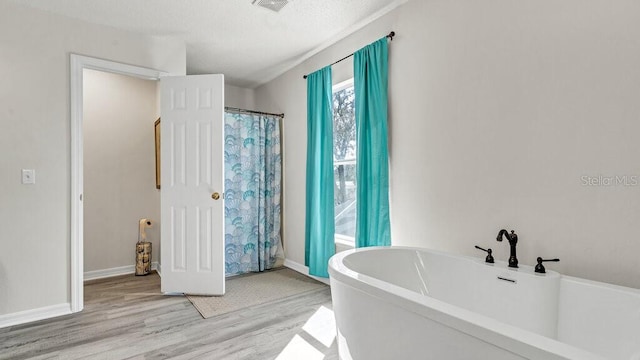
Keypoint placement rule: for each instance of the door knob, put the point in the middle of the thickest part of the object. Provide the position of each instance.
(215, 196)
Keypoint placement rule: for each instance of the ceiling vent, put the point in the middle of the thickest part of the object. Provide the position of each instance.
(273, 5)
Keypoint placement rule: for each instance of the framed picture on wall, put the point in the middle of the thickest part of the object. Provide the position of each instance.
(156, 127)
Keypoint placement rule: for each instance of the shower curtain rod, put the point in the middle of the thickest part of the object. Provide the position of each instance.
(238, 110)
(390, 36)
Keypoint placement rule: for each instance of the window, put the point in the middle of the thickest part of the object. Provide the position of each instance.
(344, 160)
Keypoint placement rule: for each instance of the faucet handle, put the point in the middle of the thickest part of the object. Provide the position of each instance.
(489, 258)
(540, 268)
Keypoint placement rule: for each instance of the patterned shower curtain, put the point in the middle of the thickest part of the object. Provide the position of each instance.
(252, 165)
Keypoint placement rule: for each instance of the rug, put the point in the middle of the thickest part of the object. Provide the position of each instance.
(255, 289)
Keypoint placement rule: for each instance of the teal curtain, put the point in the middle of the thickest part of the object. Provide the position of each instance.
(253, 174)
(372, 168)
(319, 224)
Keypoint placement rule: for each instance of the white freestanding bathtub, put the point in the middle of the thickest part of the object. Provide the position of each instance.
(412, 303)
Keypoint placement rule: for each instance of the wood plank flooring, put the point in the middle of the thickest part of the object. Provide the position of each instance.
(126, 317)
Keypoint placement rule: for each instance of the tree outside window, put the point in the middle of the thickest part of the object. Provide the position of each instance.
(344, 159)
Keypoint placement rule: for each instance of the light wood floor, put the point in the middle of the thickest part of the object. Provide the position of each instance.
(126, 317)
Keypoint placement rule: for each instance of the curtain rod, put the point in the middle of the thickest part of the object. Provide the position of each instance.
(390, 36)
(238, 110)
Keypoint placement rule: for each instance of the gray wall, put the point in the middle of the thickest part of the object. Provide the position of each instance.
(119, 168)
(239, 97)
(34, 113)
(498, 109)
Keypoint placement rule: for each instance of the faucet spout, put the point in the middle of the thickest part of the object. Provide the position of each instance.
(504, 233)
(513, 241)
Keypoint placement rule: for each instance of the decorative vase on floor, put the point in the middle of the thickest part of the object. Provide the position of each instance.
(143, 258)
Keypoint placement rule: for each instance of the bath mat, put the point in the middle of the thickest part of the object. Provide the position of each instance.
(255, 289)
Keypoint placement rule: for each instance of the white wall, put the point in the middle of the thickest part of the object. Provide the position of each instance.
(119, 168)
(239, 97)
(34, 113)
(498, 108)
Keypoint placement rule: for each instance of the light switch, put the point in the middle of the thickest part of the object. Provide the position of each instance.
(28, 176)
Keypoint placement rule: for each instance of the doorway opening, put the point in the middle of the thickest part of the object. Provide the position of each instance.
(119, 113)
(78, 64)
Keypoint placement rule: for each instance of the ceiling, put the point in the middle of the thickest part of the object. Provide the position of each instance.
(251, 45)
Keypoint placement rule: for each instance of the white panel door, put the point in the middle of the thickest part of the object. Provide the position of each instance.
(192, 181)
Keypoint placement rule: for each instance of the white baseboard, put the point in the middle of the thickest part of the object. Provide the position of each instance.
(116, 271)
(303, 270)
(26, 316)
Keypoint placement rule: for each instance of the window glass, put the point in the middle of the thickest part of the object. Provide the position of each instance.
(344, 159)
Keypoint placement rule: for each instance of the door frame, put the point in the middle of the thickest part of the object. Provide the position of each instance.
(77, 64)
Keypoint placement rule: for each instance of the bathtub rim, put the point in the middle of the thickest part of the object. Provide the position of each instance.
(510, 338)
